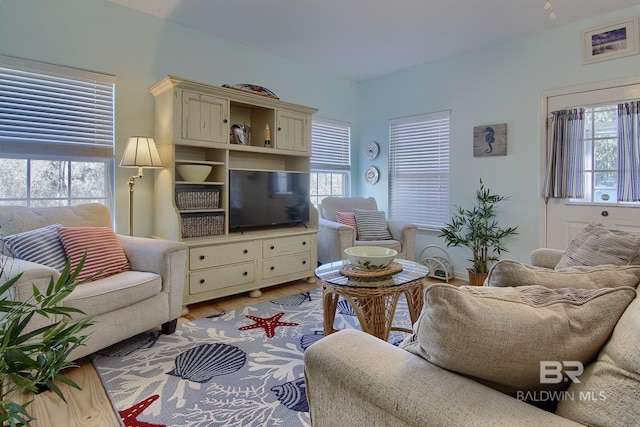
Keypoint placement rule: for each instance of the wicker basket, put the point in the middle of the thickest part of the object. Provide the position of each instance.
(198, 225)
(198, 199)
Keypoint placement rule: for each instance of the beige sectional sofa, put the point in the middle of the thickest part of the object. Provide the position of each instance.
(147, 295)
(463, 370)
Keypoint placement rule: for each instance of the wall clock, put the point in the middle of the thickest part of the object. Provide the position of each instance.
(371, 150)
(371, 175)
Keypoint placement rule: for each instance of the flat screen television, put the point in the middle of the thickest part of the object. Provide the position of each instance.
(265, 198)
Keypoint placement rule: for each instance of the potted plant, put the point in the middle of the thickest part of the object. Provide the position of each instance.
(32, 360)
(478, 230)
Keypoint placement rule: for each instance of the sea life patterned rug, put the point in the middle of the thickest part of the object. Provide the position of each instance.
(240, 368)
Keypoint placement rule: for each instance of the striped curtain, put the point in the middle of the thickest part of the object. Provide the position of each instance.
(565, 146)
(629, 152)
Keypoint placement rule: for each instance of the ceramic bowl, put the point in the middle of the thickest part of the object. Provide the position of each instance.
(194, 173)
(370, 257)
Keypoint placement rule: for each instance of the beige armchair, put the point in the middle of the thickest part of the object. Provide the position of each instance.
(123, 304)
(334, 238)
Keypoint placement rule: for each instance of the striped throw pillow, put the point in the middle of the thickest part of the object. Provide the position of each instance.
(372, 225)
(105, 256)
(41, 245)
(348, 218)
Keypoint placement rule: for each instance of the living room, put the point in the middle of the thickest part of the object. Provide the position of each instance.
(500, 83)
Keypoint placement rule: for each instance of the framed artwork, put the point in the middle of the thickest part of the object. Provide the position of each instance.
(611, 41)
(490, 140)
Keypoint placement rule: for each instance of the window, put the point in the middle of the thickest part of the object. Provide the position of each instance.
(330, 159)
(56, 134)
(600, 155)
(419, 169)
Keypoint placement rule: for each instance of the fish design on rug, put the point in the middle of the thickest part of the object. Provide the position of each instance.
(293, 395)
(200, 364)
(130, 415)
(309, 339)
(268, 323)
(130, 345)
(293, 299)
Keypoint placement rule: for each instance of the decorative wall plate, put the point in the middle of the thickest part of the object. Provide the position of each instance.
(371, 175)
(371, 150)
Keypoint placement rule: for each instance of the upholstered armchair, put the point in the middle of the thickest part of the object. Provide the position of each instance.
(334, 237)
(123, 300)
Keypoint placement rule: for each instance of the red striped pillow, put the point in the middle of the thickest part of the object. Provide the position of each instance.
(105, 256)
(348, 218)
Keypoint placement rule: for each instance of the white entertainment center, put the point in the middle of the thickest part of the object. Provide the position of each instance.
(193, 122)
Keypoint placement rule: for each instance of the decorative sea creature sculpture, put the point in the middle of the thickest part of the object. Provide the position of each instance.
(293, 395)
(489, 138)
(200, 364)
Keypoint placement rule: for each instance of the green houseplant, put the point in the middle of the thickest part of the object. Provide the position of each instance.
(478, 229)
(32, 359)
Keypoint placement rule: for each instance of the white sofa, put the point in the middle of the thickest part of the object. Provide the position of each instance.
(334, 238)
(353, 378)
(123, 304)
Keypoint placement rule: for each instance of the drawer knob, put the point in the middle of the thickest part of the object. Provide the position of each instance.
(304, 243)
(225, 121)
(246, 273)
(201, 281)
(201, 257)
(272, 247)
(246, 251)
(272, 268)
(304, 262)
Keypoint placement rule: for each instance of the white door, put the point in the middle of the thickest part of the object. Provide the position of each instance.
(563, 220)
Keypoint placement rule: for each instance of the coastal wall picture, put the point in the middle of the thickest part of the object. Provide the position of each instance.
(611, 41)
(490, 140)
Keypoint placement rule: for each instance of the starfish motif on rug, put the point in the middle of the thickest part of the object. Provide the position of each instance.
(268, 323)
(130, 415)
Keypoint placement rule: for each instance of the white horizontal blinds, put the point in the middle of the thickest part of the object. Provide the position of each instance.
(330, 140)
(48, 111)
(419, 169)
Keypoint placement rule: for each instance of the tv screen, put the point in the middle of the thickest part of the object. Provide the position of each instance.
(262, 198)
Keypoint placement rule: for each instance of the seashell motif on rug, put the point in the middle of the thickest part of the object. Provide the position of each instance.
(220, 371)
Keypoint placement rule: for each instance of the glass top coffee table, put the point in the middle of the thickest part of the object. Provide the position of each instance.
(373, 299)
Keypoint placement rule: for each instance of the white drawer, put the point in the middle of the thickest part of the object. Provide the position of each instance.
(213, 256)
(286, 245)
(282, 266)
(222, 277)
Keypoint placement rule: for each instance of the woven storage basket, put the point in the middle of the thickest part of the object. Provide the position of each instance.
(198, 199)
(198, 225)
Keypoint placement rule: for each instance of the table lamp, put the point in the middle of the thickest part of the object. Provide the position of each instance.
(141, 153)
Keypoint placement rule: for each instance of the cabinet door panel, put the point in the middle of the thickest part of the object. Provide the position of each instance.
(212, 256)
(285, 245)
(204, 117)
(293, 131)
(281, 266)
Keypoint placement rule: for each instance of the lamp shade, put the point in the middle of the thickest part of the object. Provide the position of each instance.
(141, 152)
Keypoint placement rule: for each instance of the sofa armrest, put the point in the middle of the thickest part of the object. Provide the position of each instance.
(163, 257)
(353, 378)
(546, 257)
(405, 233)
(333, 239)
(32, 274)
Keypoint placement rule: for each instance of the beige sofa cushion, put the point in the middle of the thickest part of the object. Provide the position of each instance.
(499, 336)
(609, 390)
(596, 245)
(513, 273)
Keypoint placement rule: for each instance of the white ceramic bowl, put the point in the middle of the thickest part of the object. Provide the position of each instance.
(370, 257)
(194, 173)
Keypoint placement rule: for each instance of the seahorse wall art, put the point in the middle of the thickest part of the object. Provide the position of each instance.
(490, 140)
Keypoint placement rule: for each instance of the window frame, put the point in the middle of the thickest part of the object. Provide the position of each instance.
(328, 158)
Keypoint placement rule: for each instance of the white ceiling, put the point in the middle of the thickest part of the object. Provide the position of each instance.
(360, 39)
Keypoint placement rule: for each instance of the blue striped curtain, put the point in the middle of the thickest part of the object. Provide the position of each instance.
(565, 146)
(629, 151)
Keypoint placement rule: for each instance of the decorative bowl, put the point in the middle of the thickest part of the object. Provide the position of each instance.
(370, 257)
(194, 173)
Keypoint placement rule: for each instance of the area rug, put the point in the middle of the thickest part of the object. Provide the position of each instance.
(240, 368)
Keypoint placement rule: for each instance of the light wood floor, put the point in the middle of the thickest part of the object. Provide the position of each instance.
(90, 406)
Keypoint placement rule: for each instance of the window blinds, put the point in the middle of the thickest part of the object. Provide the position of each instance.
(419, 169)
(330, 140)
(48, 111)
